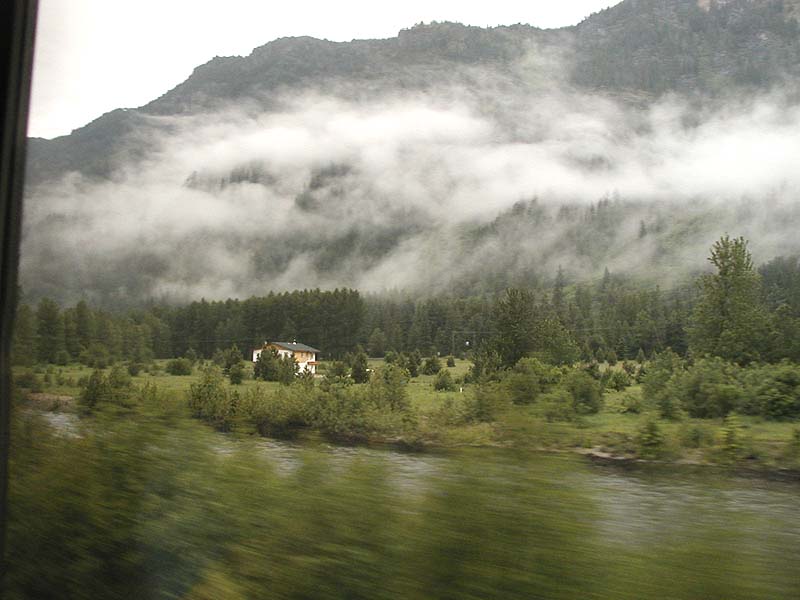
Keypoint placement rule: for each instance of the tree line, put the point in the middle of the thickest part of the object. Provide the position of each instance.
(738, 313)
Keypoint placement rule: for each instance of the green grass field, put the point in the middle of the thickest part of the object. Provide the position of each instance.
(65, 381)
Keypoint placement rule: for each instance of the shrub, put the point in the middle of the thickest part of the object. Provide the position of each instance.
(230, 357)
(611, 357)
(134, 368)
(650, 439)
(451, 362)
(359, 367)
(119, 378)
(529, 378)
(585, 391)
(154, 369)
(696, 435)
(62, 358)
(631, 403)
(97, 391)
(344, 413)
(593, 370)
(279, 413)
(179, 366)
(336, 373)
(659, 384)
(443, 382)
(708, 388)
(412, 362)
(211, 400)
(271, 366)
(28, 380)
(488, 401)
(730, 446)
(617, 380)
(792, 450)
(236, 373)
(431, 366)
(305, 378)
(629, 368)
(95, 356)
(556, 406)
(191, 356)
(486, 365)
(218, 358)
(451, 413)
(388, 389)
(774, 391)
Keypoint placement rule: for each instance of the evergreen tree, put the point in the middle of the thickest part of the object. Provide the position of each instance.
(84, 325)
(71, 340)
(377, 343)
(230, 357)
(413, 362)
(359, 370)
(514, 322)
(730, 319)
(559, 301)
(522, 330)
(236, 373)
(266, 367)
(287, 369)
(50, 331)
(271, 366)
(97, 391)
(443, 382)
(431, 366)
(24, 345)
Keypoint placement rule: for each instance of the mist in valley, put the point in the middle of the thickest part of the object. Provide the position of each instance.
(477, 180)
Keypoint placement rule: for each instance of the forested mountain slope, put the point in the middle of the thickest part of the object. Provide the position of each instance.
(447, 158)
(647, 47)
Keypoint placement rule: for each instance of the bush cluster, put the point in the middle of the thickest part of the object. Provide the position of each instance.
(715, 388)
(179, 366)
(337, 409)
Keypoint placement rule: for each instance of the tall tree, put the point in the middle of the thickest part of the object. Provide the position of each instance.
(730, 319)
(24, 347)
(49, 330)
(377, 343)
(514, 324)
(71, 340)
(559, 301)
(84, 325)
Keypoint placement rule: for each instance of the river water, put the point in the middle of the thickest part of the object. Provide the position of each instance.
(475, 523)
(656, 531)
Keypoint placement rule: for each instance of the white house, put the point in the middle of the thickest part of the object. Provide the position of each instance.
(304, 356)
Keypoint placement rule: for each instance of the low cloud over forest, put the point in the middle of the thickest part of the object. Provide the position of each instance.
(468, 185)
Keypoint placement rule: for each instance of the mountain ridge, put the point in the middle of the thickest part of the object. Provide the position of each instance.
(636, 48)
(449, 157)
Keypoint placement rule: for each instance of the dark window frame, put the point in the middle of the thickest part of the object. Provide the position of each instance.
(17, 34)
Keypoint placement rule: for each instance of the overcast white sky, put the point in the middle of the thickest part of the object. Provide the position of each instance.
(93, 56)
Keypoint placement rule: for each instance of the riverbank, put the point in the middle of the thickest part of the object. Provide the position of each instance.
(608, 439)
(228, 515)
(623, 430)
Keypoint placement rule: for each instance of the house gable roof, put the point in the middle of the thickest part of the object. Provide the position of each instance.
(294, 347)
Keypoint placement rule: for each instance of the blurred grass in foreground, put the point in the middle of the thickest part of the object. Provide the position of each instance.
(148, 503)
